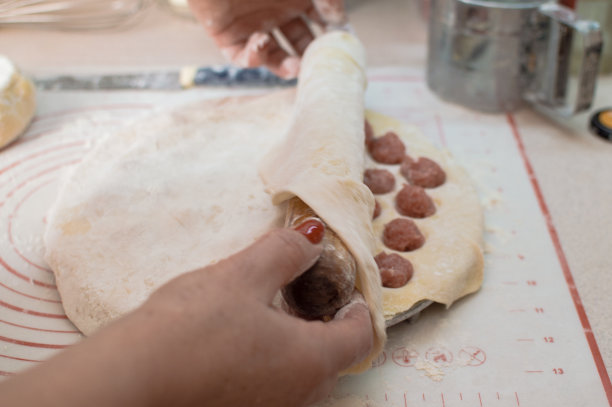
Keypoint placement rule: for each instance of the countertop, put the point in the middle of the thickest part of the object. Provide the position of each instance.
(571, 166)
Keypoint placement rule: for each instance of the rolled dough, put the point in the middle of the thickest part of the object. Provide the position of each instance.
(321, 160)
(182, 189)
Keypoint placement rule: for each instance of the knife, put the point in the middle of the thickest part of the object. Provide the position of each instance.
(184, 78)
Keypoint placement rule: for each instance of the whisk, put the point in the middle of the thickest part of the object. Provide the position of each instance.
(69, 14)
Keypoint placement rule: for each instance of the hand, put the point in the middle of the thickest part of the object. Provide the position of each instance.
(209, 337)
(242, 29)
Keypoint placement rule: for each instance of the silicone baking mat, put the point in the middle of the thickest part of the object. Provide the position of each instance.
(522, 340)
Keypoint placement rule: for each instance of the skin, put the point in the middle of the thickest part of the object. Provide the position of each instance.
(209, 337)
(242, 29)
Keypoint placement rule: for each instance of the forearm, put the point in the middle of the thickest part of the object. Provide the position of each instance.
(109, 369)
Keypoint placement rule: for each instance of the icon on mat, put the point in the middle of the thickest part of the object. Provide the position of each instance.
(439, 355)
(405, 357)
(472, 356)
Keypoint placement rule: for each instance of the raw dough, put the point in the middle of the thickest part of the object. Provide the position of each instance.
(181, 189)
(450, 263)
(321, 160)
(17, 101)
(169, 194)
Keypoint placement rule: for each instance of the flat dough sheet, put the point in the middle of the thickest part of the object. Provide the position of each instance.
(167, 195)
(450, 264)
(181, 190)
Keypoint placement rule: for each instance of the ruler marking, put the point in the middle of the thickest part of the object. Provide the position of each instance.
(567, 273)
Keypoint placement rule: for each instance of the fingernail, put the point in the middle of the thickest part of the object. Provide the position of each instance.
(313, 229)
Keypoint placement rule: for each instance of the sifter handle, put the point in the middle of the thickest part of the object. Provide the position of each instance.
(563, 25)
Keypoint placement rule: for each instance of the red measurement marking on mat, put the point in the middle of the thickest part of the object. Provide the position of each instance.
(31, 312)
(24, 277)
(439, 355)
(525, 340)
(28, 295)
(441, 131)
(480, 399)
(442, 396)
(472, 356)
(404, 357)
(20, 359)
(518, 403)
(569, 278)
(32, 344)
(534, 371)
(40, 329)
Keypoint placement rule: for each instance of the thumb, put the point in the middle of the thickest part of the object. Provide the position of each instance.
(273, 261)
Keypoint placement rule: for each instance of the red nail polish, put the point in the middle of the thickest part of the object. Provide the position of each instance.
(313, 229)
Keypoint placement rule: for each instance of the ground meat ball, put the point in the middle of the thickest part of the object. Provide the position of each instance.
(377, 210)
(369, 133)
(414, 202)
(403, 235)
(387, 149)
(424, 173)
(378, 180)
(395, 271)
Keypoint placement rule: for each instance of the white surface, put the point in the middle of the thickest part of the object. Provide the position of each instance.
(525, 299)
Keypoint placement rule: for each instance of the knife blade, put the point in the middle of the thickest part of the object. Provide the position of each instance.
(187, 77)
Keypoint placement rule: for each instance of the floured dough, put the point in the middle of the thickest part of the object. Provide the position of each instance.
(167, 195)
(450, 263)
(17, 101)
(322, 158)
(182, 189)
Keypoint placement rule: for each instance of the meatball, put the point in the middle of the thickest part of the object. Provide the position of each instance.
(403, 235)
(379, 181)
(414, 202)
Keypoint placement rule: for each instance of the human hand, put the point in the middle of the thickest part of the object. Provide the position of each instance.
(209, 337)
(242, 29)
(228, 346)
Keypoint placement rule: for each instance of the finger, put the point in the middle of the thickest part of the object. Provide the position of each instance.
(349, 337)
(298, 34)
(288, 68)
(273, 261)
(313, 14)
(332, 11)
(263, 49)
(252, 52)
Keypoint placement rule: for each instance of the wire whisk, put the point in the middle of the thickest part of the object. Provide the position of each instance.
(69, 14)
